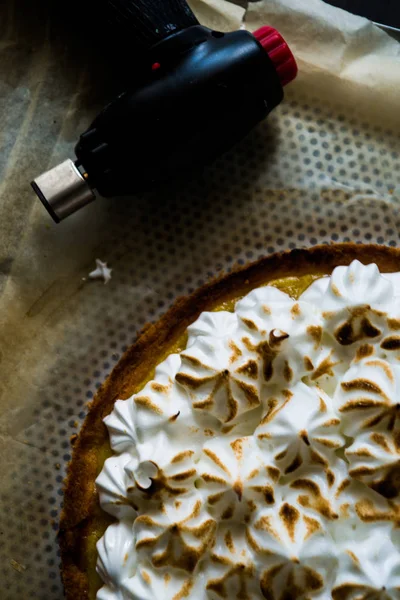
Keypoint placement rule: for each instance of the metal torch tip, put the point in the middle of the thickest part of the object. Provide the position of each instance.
(63, 190)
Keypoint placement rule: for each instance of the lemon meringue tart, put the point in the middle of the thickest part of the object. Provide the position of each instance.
(247, 446)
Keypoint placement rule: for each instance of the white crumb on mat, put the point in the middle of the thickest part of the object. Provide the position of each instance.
(101, 271)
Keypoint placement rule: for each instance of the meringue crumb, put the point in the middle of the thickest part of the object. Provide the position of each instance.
(101, 271)
(17, 566)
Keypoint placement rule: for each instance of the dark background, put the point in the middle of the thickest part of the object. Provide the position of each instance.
(386, 12)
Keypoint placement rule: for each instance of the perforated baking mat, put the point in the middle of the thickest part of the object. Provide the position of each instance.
(317, 171)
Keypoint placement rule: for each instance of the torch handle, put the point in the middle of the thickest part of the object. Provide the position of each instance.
(147, 22)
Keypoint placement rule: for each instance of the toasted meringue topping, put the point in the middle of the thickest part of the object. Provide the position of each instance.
(121, 424)
(117, 559)
(286, 334)
(355, 302)
(236, 476)
(368, 396)
(369, 568)
(178, 535)
(231, 567)
(149, 583)
(321, 491)
(375, 459)
(300, 427)
(112, 486)
(221, 378)
(263, 461)
(294, 553)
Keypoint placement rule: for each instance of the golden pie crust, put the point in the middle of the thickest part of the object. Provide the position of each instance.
(82, 520)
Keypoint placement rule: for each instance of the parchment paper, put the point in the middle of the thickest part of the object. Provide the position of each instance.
(324, 167)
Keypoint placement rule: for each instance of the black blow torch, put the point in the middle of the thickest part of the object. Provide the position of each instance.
(196, 94)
